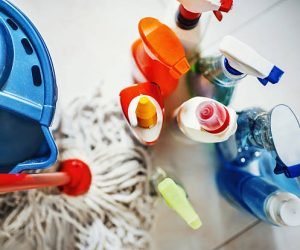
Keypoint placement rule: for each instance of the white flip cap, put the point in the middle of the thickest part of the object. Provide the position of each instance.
(242, 59)
(284, 209)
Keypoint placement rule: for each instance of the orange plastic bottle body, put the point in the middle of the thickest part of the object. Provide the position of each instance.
(159, 55)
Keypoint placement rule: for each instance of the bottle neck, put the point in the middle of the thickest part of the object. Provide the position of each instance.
(158, 176)
(185, 19)
(214, 69)
(260, 134)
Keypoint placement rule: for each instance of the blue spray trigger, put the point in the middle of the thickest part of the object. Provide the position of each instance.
(289, 171)
(28, 95)
(230, 69)
(274, 76)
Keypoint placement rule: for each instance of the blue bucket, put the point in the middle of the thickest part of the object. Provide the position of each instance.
(28, 95)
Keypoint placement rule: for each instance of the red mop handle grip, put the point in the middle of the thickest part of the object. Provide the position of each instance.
(73, 179)
(18, 182)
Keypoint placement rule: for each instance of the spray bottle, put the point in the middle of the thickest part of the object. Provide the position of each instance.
(175, 197)
(216, 77)
(203, 120)
(262, 199)
(143, 108)
(28, 95)
(186, 22)
(275, 132)
(158, 56)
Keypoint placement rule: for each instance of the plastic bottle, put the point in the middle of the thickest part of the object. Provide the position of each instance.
(216, 77)
(158, 56)
(259, 197)
(259, 132)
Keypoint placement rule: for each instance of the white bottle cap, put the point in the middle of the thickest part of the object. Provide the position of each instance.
(147, 136)
(188, 121)
(284, 209)
(242, 59)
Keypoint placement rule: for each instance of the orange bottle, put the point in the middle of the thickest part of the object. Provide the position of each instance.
(158, 56)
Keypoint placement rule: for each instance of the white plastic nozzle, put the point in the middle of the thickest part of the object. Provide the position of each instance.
(284, 209)
(242, 59)
(212, 116)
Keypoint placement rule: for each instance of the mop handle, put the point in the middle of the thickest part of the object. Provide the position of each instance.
(19, 182)
(74, 178)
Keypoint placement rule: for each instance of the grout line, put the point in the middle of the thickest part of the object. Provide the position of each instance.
(262, 12)
(234, 237)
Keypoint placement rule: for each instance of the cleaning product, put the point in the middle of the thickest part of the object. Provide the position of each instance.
(262, 199)
(28, 95)
(158, 56)
(204, 120)
(186, 23)
(143, 108)
(216, 77)
(259, 131)
(74, 178)
(175, 197)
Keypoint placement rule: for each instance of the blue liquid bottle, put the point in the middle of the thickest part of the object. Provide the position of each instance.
(260, 132)
(259, 197)
(216, 77)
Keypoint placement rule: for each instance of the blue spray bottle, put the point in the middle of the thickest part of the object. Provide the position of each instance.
(260, 132)
(216, 77)
(262, 199)
(28, 95)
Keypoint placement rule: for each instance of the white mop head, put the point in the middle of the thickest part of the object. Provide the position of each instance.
(116, 213)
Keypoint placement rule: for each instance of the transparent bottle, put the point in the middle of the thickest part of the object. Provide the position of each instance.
(260, 132)
(208, 77)
(249, 141)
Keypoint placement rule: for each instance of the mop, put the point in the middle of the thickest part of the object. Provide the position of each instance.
(116, 212)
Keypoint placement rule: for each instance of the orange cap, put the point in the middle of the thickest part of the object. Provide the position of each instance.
(146, 113)
(163, 43)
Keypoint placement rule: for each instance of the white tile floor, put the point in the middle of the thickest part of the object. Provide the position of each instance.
(89, 41)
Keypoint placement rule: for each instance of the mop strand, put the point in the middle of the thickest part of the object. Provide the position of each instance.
(117, 211)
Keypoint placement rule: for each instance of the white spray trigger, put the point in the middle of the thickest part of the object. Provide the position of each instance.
(240, 58)
(200, 6)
